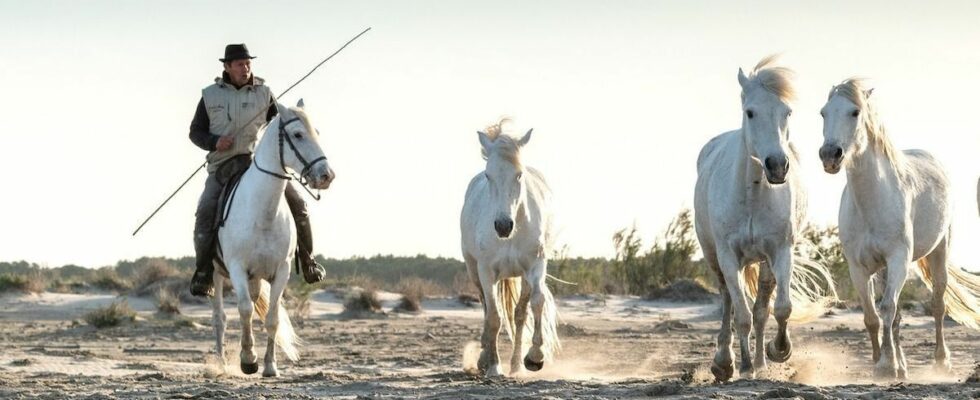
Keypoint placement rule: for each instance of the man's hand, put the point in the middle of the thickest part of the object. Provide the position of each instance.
(225, 143)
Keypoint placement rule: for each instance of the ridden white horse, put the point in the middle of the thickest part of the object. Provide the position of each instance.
(258, 236)
(894, 210)
(506, 226)
(749, 209)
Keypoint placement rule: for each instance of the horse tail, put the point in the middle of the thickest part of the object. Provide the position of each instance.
(286, 337)
(812, 290)
(508, 295)
(551, 345)
(810, 298)
(750, 274)
(962, 294)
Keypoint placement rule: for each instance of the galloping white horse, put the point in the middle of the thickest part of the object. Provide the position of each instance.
(894, 210)
(749, 209)
(258, 236)
(506, 227)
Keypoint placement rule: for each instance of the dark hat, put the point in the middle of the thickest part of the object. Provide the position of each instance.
(236, 52)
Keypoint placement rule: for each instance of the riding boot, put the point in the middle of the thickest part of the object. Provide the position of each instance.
(313, 272)
(202, 283)
(205, 231)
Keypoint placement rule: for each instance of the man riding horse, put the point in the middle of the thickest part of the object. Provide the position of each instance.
(223, 127)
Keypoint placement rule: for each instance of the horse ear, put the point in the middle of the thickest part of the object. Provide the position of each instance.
(742, 79)
(299, 104)
(867, 93)
(526, 138)
(485, 140)
(280, 108)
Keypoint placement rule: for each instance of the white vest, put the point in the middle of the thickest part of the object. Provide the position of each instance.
(229, 110)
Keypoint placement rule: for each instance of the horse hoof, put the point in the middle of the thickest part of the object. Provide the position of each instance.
(777, 356)
(885, 374)
(270, 374)
(532, 365)
(494, 372)
(249, 369)
(722, 374)
(746, 372)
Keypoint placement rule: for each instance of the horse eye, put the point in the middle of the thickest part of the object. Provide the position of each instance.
(789, 113)
(749, 113)
(855, 113)
(520, 175)
(298, 135)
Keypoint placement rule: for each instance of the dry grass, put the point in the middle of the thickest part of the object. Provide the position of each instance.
(469, 300)
(363, 303)
(409, 304)
(107, 278)
(168, 303)
(114, 314)
(154, 271)
(33, 282)
(298, 304)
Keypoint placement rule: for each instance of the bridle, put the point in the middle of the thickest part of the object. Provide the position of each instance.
(307, 166)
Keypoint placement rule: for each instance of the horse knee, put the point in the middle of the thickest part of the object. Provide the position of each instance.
(245, 309)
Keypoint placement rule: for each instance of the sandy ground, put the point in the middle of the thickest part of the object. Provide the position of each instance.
(614, 348)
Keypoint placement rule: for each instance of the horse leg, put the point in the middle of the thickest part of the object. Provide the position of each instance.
(535, 358)
(760, 313)
(520, 319)
(781, 348)
(218, 317)
(939, 274)
(896, 271)
(864, 286)
(249, 360)
(902, 366)
(730, 268)
(489, 361)
(471, 268)
(722, 366)
(272, 320)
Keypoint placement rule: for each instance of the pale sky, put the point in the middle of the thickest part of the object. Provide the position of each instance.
(621, 96)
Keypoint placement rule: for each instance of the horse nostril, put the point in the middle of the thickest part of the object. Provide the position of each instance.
(838, 153)
(503, 227)
(773, 163)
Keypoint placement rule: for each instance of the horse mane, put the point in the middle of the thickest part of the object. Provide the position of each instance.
(776, 80)
(854, 90)
(504, 144)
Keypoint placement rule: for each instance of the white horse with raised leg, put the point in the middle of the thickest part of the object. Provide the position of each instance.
(894, 210)
(749, 209)
(258, 236)
(506, 227)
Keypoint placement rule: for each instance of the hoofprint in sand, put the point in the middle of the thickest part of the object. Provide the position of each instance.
(615, 347)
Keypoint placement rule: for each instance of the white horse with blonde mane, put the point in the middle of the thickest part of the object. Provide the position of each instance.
(258, 236)
(506, 226)
(749, 209)
(894, 210)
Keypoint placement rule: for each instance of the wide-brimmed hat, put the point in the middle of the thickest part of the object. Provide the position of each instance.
(236, 52)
